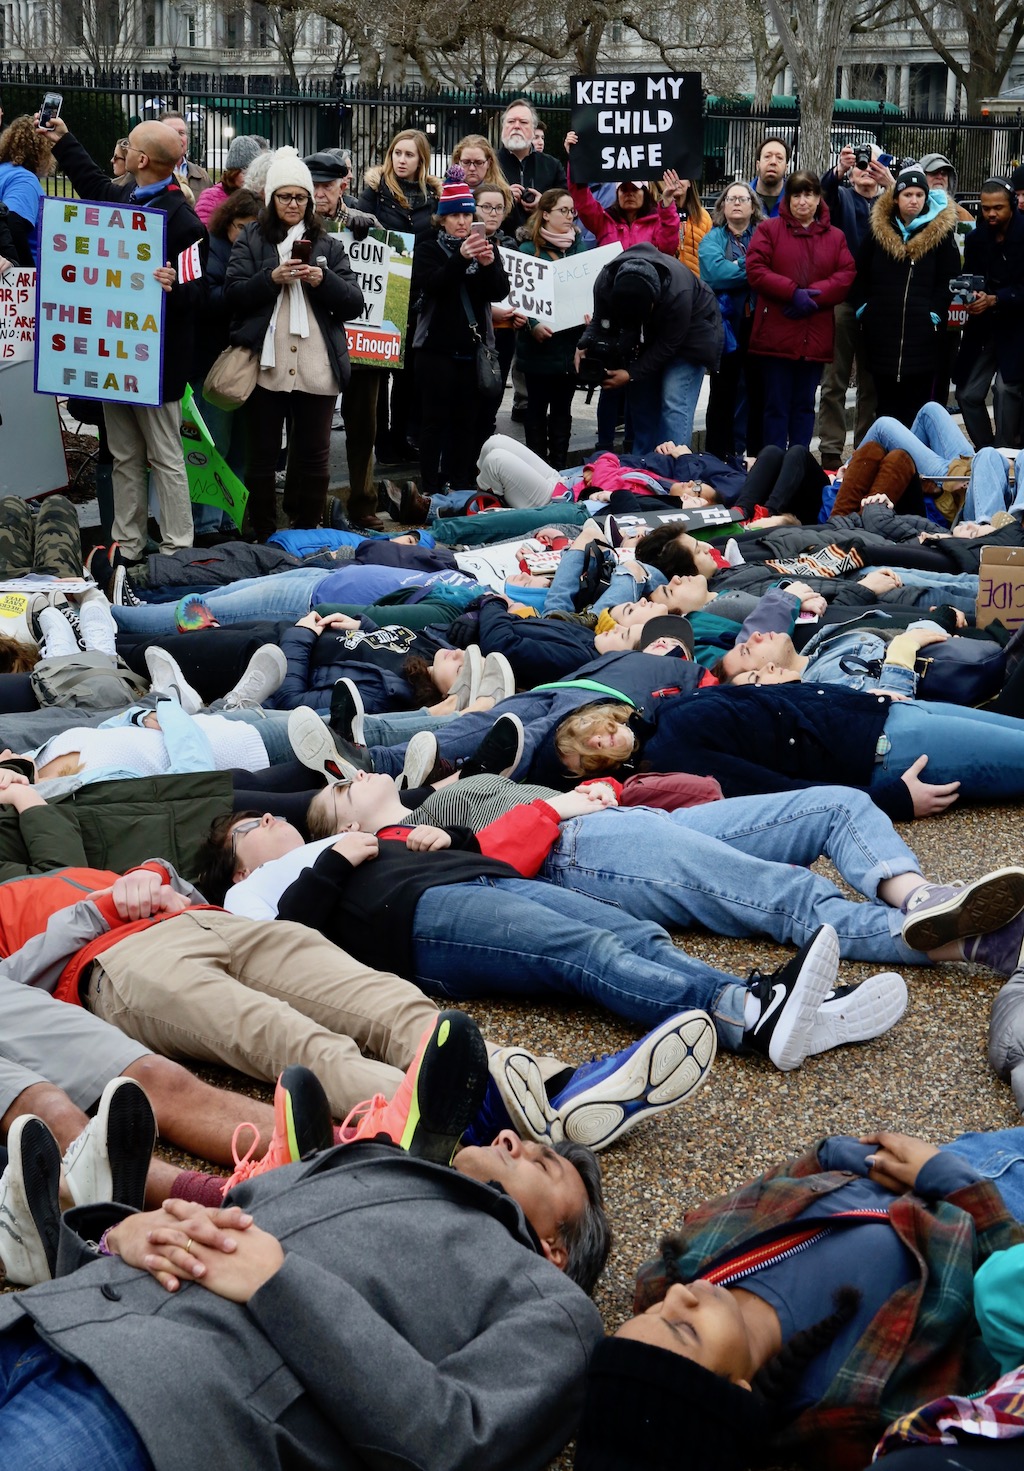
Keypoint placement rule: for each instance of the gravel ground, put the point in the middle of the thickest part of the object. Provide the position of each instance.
(929, 1076)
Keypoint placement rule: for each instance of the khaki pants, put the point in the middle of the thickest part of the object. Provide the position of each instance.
(257, 996)
(137, 434)
(831, 425)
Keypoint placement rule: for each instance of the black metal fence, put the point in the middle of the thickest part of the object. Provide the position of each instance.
(325, 112)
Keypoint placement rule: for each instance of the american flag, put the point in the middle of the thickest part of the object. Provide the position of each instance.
(190, 267)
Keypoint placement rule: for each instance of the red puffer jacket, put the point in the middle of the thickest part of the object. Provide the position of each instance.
(783, 255)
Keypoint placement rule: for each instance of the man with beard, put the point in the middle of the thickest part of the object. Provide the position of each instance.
(528, 172)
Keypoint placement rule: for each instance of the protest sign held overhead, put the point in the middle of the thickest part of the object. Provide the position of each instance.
(531, 284)
(383, 267)
(99, 308)
(635, 125)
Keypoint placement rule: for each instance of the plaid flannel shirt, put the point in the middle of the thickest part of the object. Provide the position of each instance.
(922, 1343)
(998, 1414)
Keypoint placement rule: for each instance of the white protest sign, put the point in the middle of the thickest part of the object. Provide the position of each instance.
(383, 267)
(574, 278)
(17, 315)
(531, 284)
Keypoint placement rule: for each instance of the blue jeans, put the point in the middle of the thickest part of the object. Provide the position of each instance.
(522, 937)
(285, 595)
(740, 867)
(997, 1156)
(933, 442)
(56, 1416)
(663, 407)
(981, 750)
(927, 589)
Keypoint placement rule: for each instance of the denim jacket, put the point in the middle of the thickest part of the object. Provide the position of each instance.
(853, 658)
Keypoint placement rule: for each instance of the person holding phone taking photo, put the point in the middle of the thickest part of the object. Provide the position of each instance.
(26, 157)
(290, 290)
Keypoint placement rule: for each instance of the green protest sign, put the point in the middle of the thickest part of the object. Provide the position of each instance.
(210, 481)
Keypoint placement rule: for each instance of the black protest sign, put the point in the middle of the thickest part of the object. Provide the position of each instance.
(635, 125)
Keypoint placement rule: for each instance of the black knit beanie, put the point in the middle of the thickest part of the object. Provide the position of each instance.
(647, 1409)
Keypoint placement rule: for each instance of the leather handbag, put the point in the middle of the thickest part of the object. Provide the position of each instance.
(961, 671)
(232, 378)
(488, 368)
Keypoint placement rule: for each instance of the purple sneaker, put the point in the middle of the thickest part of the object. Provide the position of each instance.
(939, 913)
(1001, 950)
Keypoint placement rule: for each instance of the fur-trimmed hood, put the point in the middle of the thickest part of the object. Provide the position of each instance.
(373, 176)
(886, 230)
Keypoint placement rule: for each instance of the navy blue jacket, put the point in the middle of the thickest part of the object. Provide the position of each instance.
(777, 738)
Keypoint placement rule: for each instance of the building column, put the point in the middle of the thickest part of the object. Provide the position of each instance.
(905, 85)
(844, 81)
(951, 89)
(892, 86)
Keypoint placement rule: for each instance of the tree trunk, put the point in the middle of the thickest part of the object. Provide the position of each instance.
(812, 47)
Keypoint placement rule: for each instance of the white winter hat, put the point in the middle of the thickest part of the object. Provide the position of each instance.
(287, 168)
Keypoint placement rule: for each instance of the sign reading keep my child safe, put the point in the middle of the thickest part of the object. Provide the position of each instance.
(99, 308)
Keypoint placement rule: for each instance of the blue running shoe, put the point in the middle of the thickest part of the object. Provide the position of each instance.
(607, 1097)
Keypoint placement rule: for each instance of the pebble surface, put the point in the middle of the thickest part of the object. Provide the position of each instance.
(929, 1076)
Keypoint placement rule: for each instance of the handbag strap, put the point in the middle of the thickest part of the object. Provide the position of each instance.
(474, 326)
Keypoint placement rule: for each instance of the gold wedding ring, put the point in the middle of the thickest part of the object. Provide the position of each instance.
(188, 1245)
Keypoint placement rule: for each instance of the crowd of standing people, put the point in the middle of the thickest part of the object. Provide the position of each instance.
(280, 804)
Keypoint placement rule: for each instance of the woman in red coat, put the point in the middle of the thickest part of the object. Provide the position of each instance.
(800, 267)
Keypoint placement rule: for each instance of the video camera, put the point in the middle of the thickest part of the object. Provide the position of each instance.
(608, 347)
(966, 288)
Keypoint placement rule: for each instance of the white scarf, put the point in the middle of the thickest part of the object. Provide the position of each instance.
(298, 324)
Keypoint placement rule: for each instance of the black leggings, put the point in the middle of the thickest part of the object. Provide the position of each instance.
(784, 482)
(211, 659)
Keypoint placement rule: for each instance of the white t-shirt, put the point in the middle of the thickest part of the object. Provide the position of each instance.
(258, 896)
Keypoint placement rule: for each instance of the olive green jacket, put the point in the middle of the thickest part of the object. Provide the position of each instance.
(115, 824)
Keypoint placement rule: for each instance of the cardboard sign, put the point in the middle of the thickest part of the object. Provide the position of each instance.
(532, 284)
(574, 279)
(17, 316)
(383, 267)
(635, 125)
(210, 480)
(1001, 587)
(31, 444)
(99, 308)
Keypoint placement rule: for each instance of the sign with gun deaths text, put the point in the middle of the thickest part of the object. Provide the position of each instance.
(99, 307)
(383, 267)
(635, 125)
(17, 315)
(531, 283)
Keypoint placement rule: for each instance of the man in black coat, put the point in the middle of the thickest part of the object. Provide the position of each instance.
(527, 172)
(993, 341)
(667, 330)
(139, 434)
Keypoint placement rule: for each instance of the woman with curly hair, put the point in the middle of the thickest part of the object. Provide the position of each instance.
(25, 158)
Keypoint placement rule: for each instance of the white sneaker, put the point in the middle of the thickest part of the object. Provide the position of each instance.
(166, 678)
(29, 1207)
(110, 1159)
(858, 1013)
(263, 677)
(420, 759)
(466, 685)
(498, 681)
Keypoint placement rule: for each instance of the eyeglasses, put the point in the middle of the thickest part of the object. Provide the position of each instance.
(563, 209)
(249, 826)
(292, 198)
(490, 209)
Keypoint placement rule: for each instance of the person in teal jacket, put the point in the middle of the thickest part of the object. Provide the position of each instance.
(544, 357)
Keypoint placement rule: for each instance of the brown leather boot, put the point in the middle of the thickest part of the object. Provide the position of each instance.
(858, 479)
(895, 473)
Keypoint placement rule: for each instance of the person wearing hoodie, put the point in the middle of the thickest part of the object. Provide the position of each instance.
(669, 330)
(901, 295)
(801, 267)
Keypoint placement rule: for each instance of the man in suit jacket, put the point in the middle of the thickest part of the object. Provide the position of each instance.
(140, 434)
